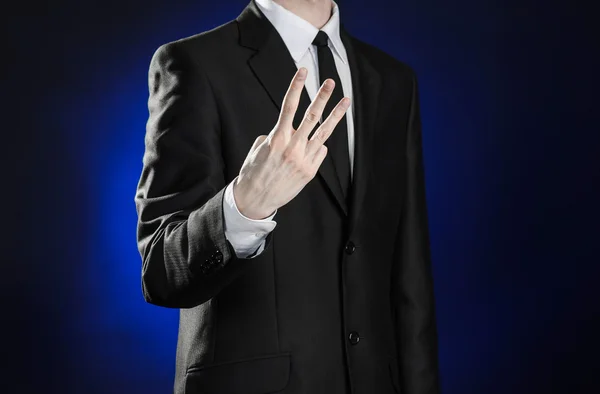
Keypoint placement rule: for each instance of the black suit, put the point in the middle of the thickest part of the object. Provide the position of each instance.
(341, 299)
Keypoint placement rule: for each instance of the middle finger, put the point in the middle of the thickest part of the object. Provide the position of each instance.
(315, 110)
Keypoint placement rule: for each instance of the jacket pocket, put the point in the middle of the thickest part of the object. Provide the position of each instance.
(394, 372)
(257, 375)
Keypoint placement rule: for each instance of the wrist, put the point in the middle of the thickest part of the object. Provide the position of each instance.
(249, 210)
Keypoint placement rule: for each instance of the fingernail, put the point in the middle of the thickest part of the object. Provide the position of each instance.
(346, 101)
(302, 72)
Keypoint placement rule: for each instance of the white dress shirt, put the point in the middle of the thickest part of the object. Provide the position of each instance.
(247, 235)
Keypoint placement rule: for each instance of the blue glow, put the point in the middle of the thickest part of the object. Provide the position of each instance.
(500, 262)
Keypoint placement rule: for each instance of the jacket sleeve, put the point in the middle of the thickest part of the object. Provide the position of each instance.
(412, 284)
(186, 258)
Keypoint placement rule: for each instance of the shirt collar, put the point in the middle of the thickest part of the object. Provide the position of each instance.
(297, 33)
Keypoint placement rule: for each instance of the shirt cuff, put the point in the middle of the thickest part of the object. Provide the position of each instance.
(245, 235)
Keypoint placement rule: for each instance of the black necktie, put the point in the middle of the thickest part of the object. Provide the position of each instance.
(337, 143)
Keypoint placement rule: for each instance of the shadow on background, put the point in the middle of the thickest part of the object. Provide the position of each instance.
(513, 168)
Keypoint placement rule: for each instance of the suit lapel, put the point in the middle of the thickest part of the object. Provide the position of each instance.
(366, 86)
(274, 67)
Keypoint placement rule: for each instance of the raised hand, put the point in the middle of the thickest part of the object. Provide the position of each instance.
(281, 163)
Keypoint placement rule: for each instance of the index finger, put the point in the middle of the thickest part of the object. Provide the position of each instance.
(292, 98)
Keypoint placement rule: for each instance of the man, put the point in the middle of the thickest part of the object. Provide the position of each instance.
(240, 140)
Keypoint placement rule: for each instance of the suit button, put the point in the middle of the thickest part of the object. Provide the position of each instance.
(353, 337)
(350, 248)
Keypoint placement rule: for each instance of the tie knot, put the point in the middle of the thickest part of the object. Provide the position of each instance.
(321, 39)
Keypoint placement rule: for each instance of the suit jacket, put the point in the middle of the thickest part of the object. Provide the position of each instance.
(341, 299)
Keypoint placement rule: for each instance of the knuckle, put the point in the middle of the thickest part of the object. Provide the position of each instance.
(296, 85)
(323, 133)
(288, 156)
(311, 116)
(323, 94)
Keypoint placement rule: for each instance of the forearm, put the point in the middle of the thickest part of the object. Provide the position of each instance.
(186, 258)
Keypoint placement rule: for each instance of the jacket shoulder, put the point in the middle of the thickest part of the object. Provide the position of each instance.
(387, 64)
(210, 41)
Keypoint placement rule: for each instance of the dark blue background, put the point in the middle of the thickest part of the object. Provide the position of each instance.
(509, 107)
